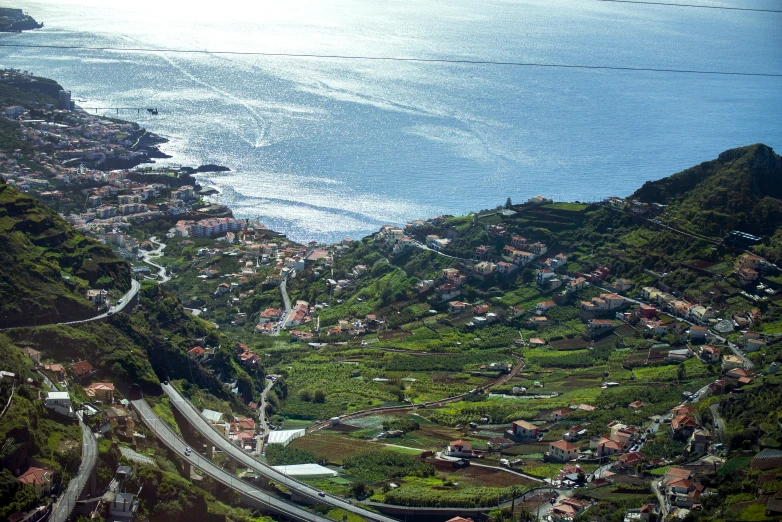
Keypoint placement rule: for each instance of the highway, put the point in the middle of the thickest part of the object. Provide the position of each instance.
(172, 441)
(201, 425)
(89, 455)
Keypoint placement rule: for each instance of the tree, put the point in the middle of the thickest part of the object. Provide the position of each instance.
(320, 397)
(508, 203)
(681, 372)
(305, 395)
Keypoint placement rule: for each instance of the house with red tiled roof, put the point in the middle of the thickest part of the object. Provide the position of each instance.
(575, 433)
(460, 448)
(459, 519)
(245, 423)
(683, 409)
(558, 415)
(637, 404)
(39, 478)
(270, 315)
(196, 352)
(56, 369)
(568, 509)
(605, 447)
(82, 369)
(562, 451)
(738, 373)
(630, 460)
(480, 309)
(683, 425)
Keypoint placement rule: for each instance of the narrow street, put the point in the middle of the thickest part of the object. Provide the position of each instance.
(89, 455)
(719, 423)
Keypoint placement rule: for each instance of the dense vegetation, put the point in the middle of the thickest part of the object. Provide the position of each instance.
(374, 467)
(52, 264)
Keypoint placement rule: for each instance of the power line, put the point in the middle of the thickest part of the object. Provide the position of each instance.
(402, 59)
(667, 4)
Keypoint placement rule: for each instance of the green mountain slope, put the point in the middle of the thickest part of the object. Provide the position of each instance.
(741, 189)
(46, 266)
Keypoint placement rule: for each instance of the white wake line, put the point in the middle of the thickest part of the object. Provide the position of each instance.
(260, 123)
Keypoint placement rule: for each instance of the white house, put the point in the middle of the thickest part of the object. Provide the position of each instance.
(460, 448)
(59, 402)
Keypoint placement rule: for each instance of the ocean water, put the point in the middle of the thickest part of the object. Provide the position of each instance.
(328, 148)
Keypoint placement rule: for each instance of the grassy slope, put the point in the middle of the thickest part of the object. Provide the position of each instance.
(37, 250)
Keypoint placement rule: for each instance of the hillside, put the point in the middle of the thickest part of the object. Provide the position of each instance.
(47, 266)
(741, 189)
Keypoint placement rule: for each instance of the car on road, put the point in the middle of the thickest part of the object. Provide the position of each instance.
(321, 494)
(119, 301)
(187, 451)
(111, 312)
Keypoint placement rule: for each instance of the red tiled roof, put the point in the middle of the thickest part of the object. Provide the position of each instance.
(82, 368)
(564, 445)
(34, 476)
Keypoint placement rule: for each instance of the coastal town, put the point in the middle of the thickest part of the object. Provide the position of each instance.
(483, 367)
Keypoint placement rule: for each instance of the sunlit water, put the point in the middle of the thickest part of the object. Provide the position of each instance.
(328, 148)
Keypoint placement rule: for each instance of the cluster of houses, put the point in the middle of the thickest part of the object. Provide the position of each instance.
(241, 430)
(679, 307)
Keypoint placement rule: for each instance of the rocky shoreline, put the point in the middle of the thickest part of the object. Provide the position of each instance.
(15, 21)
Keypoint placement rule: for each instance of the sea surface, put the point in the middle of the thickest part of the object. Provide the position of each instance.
(324, 148)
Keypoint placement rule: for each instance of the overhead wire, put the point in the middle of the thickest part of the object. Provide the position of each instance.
(701, 6)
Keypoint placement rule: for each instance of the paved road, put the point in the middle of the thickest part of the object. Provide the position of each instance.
(749, 365)
(135, 286)
(664, 506)
(89, 455)
(200, 424)
(424, 247)
(286, 304)
(162, 276)
(177, 445)
(719, 423)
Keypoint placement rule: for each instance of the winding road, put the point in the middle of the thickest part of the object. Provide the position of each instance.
(135, 286)
(161, 274)
(89, 455)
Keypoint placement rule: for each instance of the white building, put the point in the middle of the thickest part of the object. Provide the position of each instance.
(59, 402)
(284, 437)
